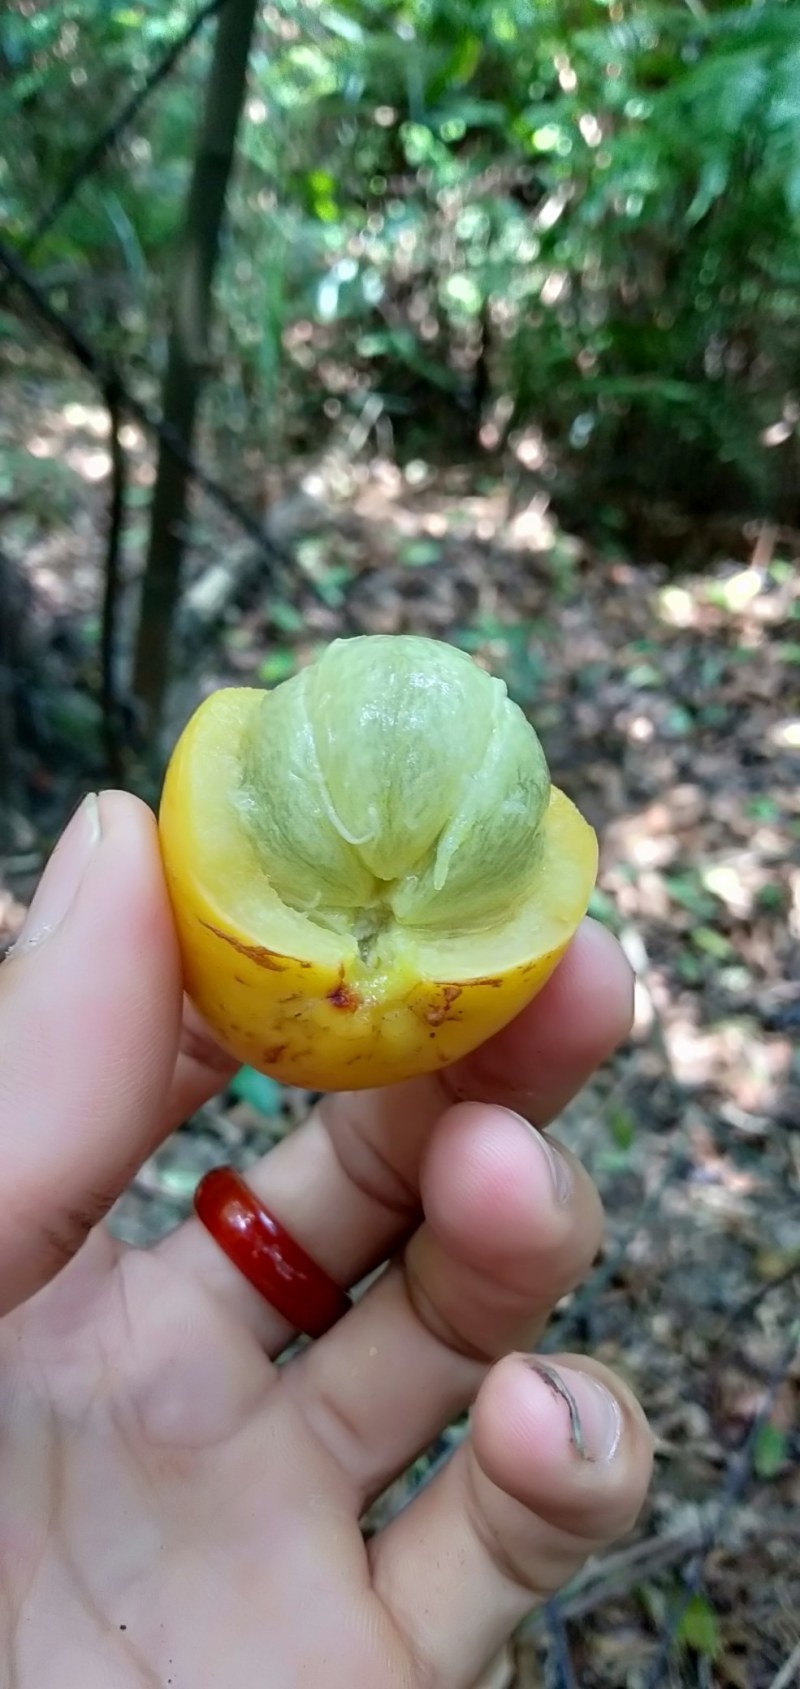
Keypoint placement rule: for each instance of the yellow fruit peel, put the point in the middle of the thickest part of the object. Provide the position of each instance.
(380, 977)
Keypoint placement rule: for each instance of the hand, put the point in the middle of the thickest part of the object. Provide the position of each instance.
(175, 1510)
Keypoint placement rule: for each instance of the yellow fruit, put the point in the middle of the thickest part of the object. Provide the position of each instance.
(369, 869)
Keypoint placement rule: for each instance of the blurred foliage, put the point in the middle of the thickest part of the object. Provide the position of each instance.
(569, 230)
(61, 62)
(699, 1628)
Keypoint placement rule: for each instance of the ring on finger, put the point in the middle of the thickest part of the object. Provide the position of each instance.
(268, 1256)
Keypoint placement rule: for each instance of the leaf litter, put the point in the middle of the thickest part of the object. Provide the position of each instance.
(668, 704)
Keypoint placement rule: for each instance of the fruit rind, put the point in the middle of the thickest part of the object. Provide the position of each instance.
(299, 1002)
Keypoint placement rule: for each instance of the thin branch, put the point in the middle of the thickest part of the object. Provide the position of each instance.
(8, 722)
(560, 1670)
(754, 1299)
(111, 591)
(104, 375)
(612, 1576)
(188, 357)
(789, 1672)
(737, 1476)
(109, 136)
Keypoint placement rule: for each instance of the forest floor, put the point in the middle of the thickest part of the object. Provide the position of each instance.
(668, 705)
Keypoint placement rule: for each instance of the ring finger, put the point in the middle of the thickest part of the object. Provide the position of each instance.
(346, 1184)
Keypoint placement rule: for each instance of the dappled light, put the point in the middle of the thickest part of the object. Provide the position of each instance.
(502, 347)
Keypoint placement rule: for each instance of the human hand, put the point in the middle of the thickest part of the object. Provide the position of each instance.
(176, 1510)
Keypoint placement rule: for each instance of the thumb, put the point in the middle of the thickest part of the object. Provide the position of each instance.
(90, 1003)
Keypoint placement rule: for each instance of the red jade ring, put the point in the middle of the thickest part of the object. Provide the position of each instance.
(294, 1285)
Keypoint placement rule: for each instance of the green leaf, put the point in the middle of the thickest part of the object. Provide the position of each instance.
(603, 908)
(465, 59)
(278, 666)
(771, 1450)
(712, 943)
(321, 187)
(612, 1161)
(331, 584)
(346, 28)
(463, 293)
(286, 617)
(699, 1629)
(643, 676)
(763, 808)
(263, 1094)
(74, 718)
(418, 554)
(771, 896)
(679, 721)
(178, 1181)
(686, 890)
(622, 1126)
(713, 182)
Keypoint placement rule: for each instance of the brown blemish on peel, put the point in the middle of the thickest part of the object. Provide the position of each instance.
(539, 961)
(345, 997)
(437, 1012)
(274, 1053)
(255, 952)
(494, 982)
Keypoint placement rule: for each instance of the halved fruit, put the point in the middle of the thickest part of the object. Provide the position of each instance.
(369, 870)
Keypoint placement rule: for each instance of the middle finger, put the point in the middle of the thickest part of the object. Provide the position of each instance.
(346, 1183)
(512, 1222)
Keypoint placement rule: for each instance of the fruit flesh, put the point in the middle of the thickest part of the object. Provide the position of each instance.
(307, 1002)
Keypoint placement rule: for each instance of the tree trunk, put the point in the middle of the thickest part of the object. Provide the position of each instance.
(188, 348)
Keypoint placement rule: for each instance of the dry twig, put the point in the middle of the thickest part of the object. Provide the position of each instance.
(789, 1672)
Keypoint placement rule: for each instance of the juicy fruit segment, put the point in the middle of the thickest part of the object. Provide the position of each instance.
(394, 778)
(369, 870)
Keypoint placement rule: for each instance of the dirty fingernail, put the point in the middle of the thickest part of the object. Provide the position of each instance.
(560, 1170)
(594, 1416)
(62, 877)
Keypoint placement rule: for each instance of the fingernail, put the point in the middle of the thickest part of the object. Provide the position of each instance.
(560, 1170)
(595, 1417)
(557, 1165)
(59, 884)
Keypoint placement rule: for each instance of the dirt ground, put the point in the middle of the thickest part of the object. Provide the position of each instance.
(669, 707)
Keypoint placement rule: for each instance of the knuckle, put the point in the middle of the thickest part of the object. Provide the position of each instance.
(66, 1232)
